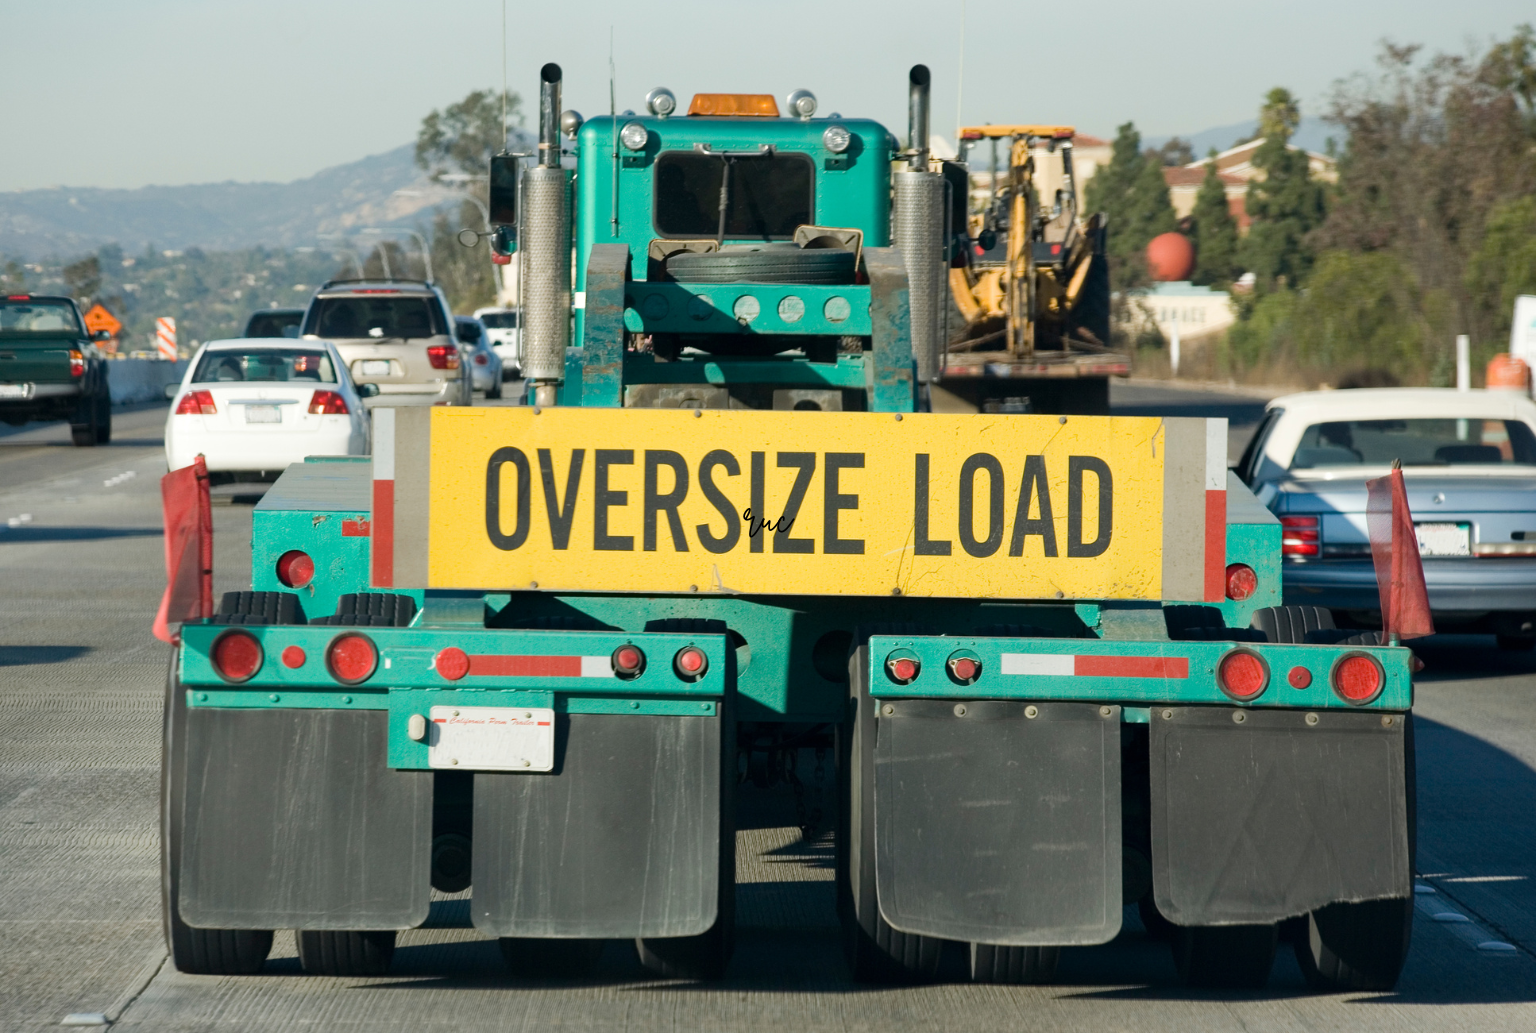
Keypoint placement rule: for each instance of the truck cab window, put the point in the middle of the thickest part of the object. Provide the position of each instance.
(769, 195)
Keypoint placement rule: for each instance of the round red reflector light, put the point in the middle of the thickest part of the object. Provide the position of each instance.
(1299, 677)
(1242, 675)
(452, 663)
(351, 658)
(902, 669)
(628, 661)
(691, 662)
(295, 569)
(964, 668)
(237, 656)
(1357, 679)
(293, 656)
(1242, 582)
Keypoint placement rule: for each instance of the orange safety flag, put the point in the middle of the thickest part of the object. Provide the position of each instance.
(188, 549)
(1395, 550)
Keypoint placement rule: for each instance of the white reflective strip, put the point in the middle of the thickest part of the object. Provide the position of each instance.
(1216, 454)
(1039, 663)
(597, 667)
(384, 444)
(579, 299)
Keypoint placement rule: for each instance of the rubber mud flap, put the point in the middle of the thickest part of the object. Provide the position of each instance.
(293, 821)
(621, 840)
(1272, 817)
(998, 822)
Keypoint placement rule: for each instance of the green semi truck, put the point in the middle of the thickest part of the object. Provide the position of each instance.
(530, 652)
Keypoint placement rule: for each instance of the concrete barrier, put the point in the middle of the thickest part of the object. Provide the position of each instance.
(142, 380)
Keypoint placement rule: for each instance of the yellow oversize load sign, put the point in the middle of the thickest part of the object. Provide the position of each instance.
(799, 503)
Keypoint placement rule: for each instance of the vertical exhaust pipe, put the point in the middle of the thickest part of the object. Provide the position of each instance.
(547, 252)
(917, 229)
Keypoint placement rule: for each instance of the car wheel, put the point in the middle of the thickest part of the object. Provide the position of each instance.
(493, 393)
(104, 420)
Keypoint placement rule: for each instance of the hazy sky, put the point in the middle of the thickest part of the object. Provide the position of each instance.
(124, 93)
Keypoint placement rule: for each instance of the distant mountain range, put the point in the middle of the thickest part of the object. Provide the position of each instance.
(1312, 135)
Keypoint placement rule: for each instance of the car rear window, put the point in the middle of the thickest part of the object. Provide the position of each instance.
(1439, 442)
(274, 324)
(264, 365)
(768, 197)
(499, 320)
(38, 316)
(354, 316)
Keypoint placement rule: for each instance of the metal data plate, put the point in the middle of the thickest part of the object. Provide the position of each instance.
(1444, 539)
(15, 390)
(263, 414)
(491, 738)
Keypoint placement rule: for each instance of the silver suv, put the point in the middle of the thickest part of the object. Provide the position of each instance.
(396, 334)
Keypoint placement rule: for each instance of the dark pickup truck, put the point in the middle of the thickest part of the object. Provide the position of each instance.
(50, 369)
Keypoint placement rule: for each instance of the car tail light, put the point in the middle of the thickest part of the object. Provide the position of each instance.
(327, 403)
(237, 656)
(18, 297)
(295, 569)
(1242, 675)
(1357, 678)
(481, 360)
(1242, 582)
(76, 363)
(690, 663)
(351, 658)
(443, 356)
(1300, 536)
(628, 661)
(196, 403)
(452, 663)
(902, 667)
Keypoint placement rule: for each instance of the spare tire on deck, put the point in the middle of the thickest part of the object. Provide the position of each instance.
(763, 263)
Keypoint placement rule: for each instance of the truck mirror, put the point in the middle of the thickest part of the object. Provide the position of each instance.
(503, 190)
(102, 335)
(503, 242)
(469, 238)
(367, 390)
(171, 389)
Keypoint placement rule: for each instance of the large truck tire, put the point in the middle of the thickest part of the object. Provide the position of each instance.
(260, 608)
(1226, 957)
(371, 610)
(1357, 946)
(768, 265)
(345, 953)
(1015, 965)
(531, 958)
(212, 952)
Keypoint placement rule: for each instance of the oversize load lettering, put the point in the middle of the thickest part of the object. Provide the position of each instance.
(795, 503)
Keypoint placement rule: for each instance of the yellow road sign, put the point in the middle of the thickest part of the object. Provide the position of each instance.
(804, 503)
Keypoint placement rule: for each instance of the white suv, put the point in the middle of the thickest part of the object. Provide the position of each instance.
(393, 333)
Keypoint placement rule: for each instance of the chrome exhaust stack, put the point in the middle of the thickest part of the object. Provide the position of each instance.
(917, 217)
(546, 252)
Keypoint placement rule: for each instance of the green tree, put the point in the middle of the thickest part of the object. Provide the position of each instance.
(463, 136)
(1285, 204)
(1133, 195)
(83, 278)
(13, 279)
(1504, 266)
(1216, 239)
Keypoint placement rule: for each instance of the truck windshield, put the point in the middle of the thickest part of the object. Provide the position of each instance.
(1452, 442)
(38, 316)
(353, 316)
(264, 365)
(769, 195)
(499, 320)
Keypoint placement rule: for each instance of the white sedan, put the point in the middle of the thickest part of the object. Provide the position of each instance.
(253, 406)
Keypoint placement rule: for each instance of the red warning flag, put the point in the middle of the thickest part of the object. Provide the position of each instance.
(188, 549)
(1395, 550)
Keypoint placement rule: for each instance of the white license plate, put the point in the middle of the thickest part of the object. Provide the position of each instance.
(15, 390)
(1444, 539)
(491, 738)
(263, 414)
(374, 367)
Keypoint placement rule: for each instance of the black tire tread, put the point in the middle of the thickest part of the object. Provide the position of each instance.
(1293, 624)
(260, 608)
(1224, 956)
(327, 952)
(371, 610)
(815, 266)
(1013, 965)
(531, 958)
(1356, 946)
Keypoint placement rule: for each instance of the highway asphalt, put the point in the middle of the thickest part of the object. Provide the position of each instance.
(81, 684)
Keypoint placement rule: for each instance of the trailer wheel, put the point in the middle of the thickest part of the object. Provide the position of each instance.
(327, 952)
(1358, 946)
(213, 952)
(1292, 623)
(532, 958)
(1014, 965)
(1224, 956)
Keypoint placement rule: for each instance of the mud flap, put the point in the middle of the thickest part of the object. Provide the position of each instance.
(1269, 817)
(293, 821)
(622, 839)
(995, 827)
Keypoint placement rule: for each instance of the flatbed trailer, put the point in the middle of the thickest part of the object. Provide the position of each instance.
(531, 651)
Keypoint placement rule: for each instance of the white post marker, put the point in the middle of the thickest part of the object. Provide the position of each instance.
(165, 337)
(1463, 363)
(1173, 345)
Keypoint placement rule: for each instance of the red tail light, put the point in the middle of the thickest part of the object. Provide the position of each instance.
(902, 668)
(237, 656)
(351, 658)
(1300, 536)
(76, 363)
(1242, 675)
(452, 663)
(628, 661)
(481, 360)
(1242, 582)
(327, 403)
(443, 356)
(1357, 678)
(964, 669)
(196, 403)
(690, 663)
(295, 569)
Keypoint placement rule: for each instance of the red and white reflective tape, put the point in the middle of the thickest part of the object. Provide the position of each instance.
(1077, 665)
(490, 666)
(165, 337)
(382, 523)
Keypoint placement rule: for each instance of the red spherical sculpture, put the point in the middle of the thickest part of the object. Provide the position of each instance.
(1170, 256)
